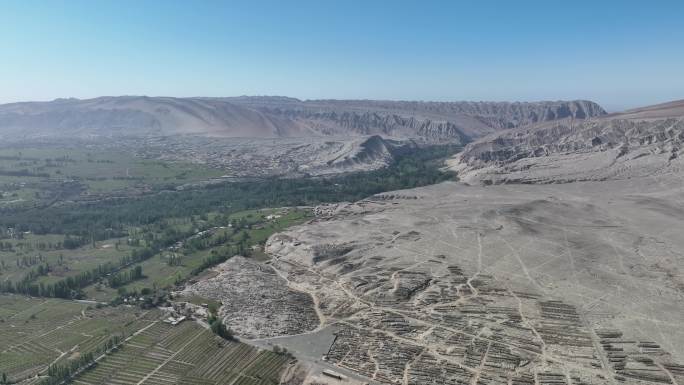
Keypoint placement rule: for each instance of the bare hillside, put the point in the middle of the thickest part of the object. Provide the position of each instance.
(274, 117)
(639, 142)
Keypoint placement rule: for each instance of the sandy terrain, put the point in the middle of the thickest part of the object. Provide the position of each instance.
(576, 283)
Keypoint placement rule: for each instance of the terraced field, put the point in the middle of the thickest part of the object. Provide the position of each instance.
(36, 332)
(185, 354)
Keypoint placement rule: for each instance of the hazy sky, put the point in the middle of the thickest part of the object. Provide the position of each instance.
(618, 53)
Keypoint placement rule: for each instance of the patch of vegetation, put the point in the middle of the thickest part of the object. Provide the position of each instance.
(216, 324)
(34, 331)
(98, 250)
(417, 168)
(35, 176)
(58, 374)
(205, 358)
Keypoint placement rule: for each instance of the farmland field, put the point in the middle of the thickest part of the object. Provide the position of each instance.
(185, 354)
(42, 260)
(32, 175)
(36, 332)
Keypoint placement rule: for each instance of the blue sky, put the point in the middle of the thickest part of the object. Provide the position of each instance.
(618, 53)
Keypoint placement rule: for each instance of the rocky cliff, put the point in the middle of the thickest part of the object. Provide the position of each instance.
(638, 142)
(273, 117)
(430, 121)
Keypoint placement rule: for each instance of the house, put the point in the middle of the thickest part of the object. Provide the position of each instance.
(174, 321)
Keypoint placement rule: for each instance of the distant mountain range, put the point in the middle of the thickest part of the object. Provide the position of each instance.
(509, 142)
(273, 117)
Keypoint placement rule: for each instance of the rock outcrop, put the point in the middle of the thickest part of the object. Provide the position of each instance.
(430, 121)
(638, 142)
